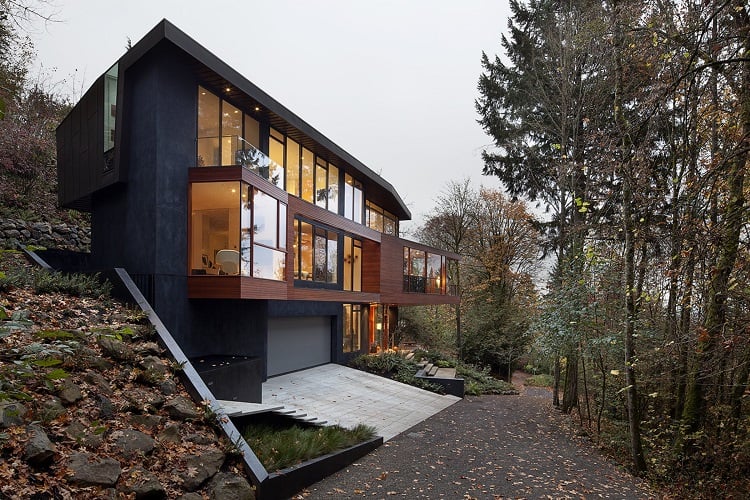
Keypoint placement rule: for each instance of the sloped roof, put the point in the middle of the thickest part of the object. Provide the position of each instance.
(242, 91)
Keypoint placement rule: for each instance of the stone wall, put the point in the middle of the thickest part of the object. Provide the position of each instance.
(44, 234)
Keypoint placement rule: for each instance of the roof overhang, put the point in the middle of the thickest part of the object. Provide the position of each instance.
(235, 87)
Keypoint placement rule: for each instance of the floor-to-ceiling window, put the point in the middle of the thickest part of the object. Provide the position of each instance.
(315, 253)
(236, 230)
(229, 136)
(110, 107)
(353, 199)
(380, 220)
(209, 106)
(352, 337)
(425, 272)
(352, 264)
(215, 228)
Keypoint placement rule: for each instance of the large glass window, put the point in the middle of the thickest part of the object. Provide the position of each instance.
(352, 327)
(353, 198)
(227, 136)
(110, 107)
(333, 188)
(236, 230)
(352, 264)
(276, 151)
(303, 251)
(380, 220)
(308, 167)
(231, 133)
(209, 105)
(266, 216)
(215, 228)
(321, 183)
(292, 167)
(434, 272)
(316, 253)
(424, 272)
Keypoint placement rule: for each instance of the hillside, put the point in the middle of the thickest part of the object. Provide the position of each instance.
(90, 406)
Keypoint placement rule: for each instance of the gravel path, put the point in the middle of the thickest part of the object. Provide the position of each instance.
(485, 447)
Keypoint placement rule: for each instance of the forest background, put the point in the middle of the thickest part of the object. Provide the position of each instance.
(627, 123)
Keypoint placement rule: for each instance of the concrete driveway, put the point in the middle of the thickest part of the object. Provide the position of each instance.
(347, 397)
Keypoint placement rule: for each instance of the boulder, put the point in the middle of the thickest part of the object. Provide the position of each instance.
(225, 486)
(143, 484)
(116, 349)
(132, 442)
(181, 408)
(88, 469)
(39, 449)
(146, 421)
(11, 413)
(69, 392)
(171, 434)
(202, 467)
(97, 379)
(51, 409)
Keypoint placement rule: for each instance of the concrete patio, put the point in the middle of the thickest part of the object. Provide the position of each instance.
(345, 396)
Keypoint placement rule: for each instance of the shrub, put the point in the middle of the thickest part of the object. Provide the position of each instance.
(11, 279)
(396, 367)
(541, 380)
(282, 448)
(478, 381)
(77, 284)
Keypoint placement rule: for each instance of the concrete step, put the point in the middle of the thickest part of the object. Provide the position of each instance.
(240, 408)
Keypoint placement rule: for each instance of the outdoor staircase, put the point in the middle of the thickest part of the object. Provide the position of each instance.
(445, 377)
(242, 409)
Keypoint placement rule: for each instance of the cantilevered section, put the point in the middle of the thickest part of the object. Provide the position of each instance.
(85, 177)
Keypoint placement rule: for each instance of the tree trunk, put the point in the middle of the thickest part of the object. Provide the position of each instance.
(733, 218)
(627, 176)
(570, 391)
(586, 390)
(556, 392)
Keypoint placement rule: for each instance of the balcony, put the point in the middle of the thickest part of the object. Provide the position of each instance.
(235, 150)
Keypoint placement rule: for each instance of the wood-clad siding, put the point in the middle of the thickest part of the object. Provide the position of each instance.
(327, 295)
(391, 268)
(236, 173)
(235, 287)
(315, 213)
(371, 265)
(392, 274)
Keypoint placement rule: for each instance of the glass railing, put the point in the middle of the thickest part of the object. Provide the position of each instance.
(237, 151)
(422, 284)
(258, 162)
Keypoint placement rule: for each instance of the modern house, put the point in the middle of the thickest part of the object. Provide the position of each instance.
(254, 236)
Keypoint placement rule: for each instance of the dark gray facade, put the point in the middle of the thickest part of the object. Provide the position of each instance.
(140, 211)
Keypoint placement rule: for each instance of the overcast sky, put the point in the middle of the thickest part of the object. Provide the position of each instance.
(393, 82)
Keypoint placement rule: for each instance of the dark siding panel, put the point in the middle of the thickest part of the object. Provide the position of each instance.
(80, 143)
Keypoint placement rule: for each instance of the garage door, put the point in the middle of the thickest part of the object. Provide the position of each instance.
(297, 343)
